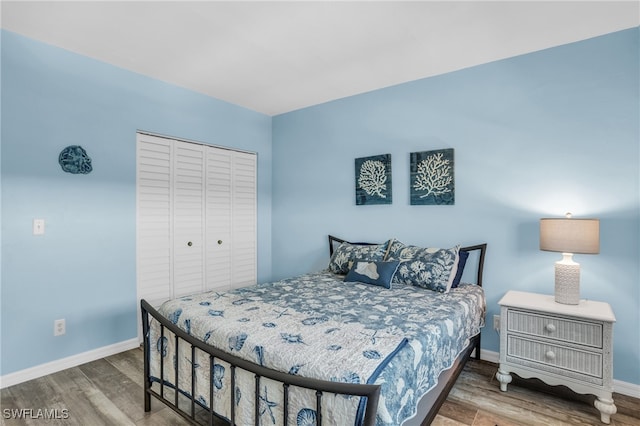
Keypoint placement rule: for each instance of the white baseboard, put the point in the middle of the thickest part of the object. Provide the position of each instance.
(619, 386)
(64, 363)
(626, 388)
(490, 356)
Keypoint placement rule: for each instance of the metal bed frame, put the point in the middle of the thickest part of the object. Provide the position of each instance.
(370, 392)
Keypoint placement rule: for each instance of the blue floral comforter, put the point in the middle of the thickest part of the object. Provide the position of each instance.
(317, 325)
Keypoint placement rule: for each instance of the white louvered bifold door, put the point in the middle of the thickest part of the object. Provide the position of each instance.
(218, 220)
(154, 222)
(188, 218)
(243, 256)
(196, 218)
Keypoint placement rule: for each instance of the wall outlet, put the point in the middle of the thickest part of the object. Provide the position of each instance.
(59, 327)
(496, 322)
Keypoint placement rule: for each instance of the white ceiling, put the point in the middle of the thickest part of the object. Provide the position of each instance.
(274, 57)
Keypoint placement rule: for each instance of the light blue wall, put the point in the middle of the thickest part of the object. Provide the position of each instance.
(83, 268)
(534, 136)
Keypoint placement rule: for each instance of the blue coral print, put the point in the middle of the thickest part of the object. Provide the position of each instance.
(432, 177)
(373, 180)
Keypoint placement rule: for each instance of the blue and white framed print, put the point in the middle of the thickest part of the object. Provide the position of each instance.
(432, 179)
(373, 180)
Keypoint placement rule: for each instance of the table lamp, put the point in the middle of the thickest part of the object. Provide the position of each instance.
(568, 236)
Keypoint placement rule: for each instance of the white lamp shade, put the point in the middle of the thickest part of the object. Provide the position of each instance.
(568, 235)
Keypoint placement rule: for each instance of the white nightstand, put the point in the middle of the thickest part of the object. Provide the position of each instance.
(559, 344)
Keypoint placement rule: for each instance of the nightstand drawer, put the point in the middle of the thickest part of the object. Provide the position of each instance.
(551, 327)
(520, 350)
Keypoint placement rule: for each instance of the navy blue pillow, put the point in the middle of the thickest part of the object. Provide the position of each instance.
(373, 272)
(462, 260)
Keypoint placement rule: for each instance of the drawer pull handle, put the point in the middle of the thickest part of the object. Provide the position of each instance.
(550, 328)
(189, 243)
(219, 242)
(550, 355)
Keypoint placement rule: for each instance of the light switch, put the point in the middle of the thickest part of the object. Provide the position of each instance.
(38, 226)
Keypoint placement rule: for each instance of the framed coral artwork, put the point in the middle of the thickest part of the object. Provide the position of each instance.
(432, 179)
(373, 180)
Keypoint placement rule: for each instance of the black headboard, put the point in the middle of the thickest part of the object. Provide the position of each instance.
(481, 250)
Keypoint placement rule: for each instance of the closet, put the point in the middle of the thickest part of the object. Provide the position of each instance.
(196, 218)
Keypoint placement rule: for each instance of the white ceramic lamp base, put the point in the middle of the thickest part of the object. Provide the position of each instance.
(567, 280)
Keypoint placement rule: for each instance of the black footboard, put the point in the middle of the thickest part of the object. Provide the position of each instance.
(370, 392)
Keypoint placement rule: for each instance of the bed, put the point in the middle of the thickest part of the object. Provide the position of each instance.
(378, 338)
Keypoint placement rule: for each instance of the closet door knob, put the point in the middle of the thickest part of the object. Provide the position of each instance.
(219, 241)
(189, 243)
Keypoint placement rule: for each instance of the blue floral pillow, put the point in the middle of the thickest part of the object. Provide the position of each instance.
(346, 253)
(395, 249)
(376, 273)
(431, 268)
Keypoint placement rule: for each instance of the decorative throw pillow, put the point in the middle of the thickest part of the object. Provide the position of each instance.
(394, 250)
(376, 273)
(431, 268)
(462, 260)
(345, 254)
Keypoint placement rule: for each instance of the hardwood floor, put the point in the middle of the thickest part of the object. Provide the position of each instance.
(109, 392)
(476, 400)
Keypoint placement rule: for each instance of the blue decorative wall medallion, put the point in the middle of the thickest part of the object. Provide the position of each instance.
(373, 180)
(74, 159)
(432, 177)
